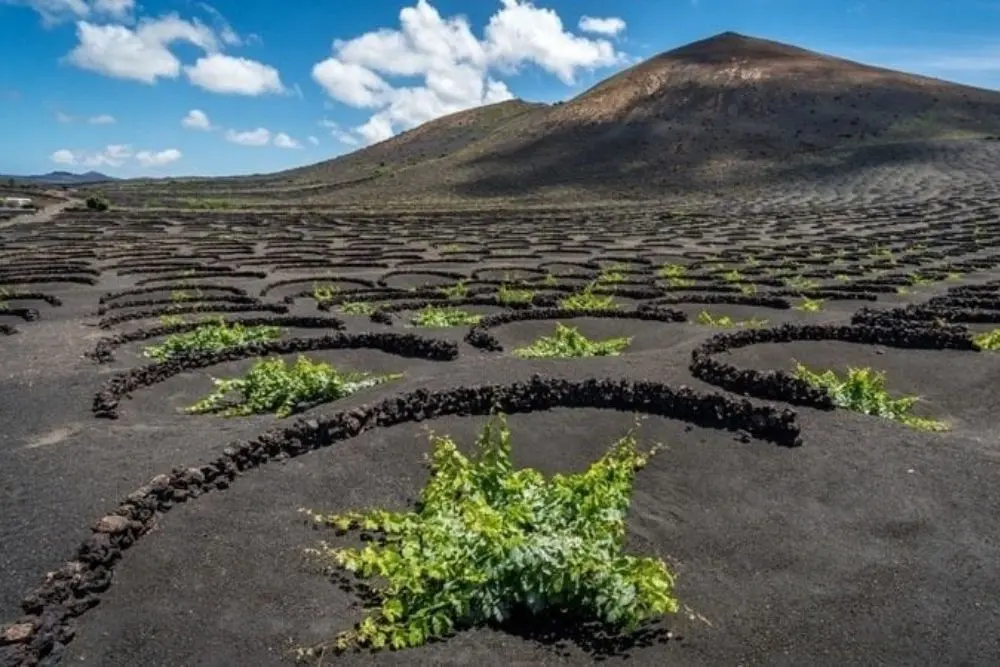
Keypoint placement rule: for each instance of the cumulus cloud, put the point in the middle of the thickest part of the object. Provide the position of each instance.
(151, 159)
(63, 156)
(120, 10)
(282, 140)
(58, 11)
(142, 54)
(145, 54)
(220, 73)
(454, 65)
(259, 137)
(102, 119)
(115, 155)
(609, 26)
(196, 119)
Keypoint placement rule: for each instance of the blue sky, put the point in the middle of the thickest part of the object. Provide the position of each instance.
(181, 87)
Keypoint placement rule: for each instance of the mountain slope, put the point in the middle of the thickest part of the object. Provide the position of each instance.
(428, 142)
(720, 111)
(723, 112)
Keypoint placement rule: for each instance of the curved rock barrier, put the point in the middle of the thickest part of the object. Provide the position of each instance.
(226, 298)
(40, 296)
(404, 345)
(925, 316)
(109, 322)
(480, 337)
(760, 300)
(783, 386)
(138, 291)
(51, 611)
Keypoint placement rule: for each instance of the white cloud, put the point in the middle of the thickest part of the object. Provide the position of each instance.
(115, 155)
(151, 159)
(350, 83)
(522, 33)
(220, 73)
(144, 53)
(282, 140)
(57, 11)
(120, 10)
(452, 62)
(225, 30)
(610, 26)
(102, 119)
(313, 140)
(258, 137)
(64, 117)
(63, 156)
(196, 119)
(141, 54)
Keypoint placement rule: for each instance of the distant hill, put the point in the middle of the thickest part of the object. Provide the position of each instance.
(724, 111)
(61, 178)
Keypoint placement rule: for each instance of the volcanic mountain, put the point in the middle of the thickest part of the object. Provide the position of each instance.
(723, 111)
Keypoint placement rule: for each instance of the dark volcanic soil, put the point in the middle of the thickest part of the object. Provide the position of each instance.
(870, 544)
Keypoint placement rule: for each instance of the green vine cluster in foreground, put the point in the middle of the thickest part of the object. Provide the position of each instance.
(213, 336)
(272, 386)
(568, 342)
(487, 542)
(863, 390)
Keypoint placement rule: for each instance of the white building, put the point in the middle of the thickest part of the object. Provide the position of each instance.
(17, 202)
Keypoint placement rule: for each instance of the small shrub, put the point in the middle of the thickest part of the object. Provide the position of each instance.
(324, 293)
(457, 291)
(748, 289)
(671, 271)
(439, 318)
(863, 390)
(588, 300)
(801, 283)
(97, 203)
(272, 386)
(613, 274)
(988, 342)
(508, 294)
(358, 307)
(171, 320)
(215, 335)
(568, 342)
(810, 305)
(732, 276)
(487, 542)
(180, 296)
(724, 321)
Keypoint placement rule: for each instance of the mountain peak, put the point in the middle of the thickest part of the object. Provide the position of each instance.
(727, 46)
